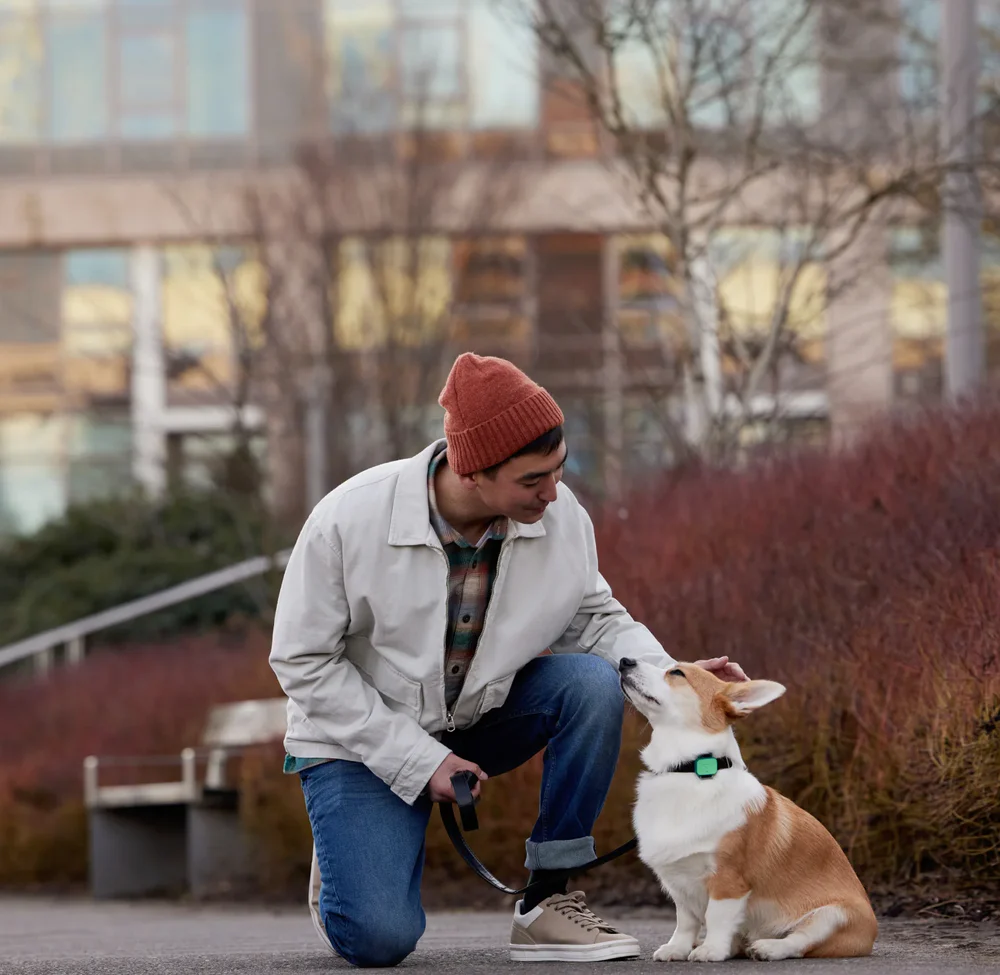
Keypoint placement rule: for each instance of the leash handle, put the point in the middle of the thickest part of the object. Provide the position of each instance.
(462, 784)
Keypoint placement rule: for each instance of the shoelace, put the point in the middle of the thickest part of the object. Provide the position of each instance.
(575, 908)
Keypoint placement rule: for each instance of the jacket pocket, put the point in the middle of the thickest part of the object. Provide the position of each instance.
(391, 684)
(494, 694)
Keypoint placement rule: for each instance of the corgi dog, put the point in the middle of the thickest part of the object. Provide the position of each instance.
(748, 870)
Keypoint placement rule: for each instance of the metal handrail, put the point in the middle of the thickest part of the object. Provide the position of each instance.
(42, 645)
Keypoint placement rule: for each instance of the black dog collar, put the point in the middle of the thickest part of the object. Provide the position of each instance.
(704, 766)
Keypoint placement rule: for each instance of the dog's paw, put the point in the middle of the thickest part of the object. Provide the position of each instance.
(707, 952)
(669, 952)
(772, 949)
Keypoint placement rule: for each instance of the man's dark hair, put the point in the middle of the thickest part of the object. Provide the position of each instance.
(547, 443)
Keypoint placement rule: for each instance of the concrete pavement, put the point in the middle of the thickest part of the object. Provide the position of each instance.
(79, 937)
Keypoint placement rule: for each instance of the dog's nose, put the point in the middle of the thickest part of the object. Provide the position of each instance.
(626, 663)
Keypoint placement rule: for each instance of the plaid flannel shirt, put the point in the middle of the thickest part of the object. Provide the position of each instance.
(472, 573)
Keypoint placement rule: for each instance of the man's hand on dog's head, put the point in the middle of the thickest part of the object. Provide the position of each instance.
(723, 668)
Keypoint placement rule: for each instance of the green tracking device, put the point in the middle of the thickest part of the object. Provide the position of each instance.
(706, 766)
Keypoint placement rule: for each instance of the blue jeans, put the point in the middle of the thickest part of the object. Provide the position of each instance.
(370, 844)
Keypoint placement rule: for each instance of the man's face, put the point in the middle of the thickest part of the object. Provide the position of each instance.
(524, 487)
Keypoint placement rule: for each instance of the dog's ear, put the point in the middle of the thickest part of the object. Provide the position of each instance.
(743, 698)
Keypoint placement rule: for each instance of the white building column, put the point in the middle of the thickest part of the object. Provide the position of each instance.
(965, 346)
(859, 344)
(149, 373)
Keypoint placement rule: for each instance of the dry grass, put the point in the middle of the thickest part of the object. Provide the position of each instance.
(868, 582)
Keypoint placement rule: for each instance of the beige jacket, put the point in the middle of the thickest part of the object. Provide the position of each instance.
(359, 631)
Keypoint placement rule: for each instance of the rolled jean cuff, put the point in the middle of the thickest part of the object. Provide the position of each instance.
(560, 854)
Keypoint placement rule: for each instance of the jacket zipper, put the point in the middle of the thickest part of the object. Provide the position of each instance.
(449, 718)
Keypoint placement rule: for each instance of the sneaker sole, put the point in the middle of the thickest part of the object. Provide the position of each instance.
(609, 951)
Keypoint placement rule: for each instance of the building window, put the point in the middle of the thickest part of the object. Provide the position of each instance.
(584, 426)
(21, 59)
(147, 65)
(96, 326)
(360, 48)
(393, 293)
(134, 70)
(32, 471)
(491, 291)
(436, 64)
(647, 419)
(432, 65)
(65, 348)
(76, 57)
(919, 309)
(218, 71)
(716, 68)
(769, 280)
(212, 307)
(98, 455)
(49, 460)
(920, 80)
(918, 312)
(919, 36)
(504, 88)
(650, 312)
(786, 63)
(30, 355)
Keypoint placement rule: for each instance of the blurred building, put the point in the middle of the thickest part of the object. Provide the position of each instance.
(130, 128)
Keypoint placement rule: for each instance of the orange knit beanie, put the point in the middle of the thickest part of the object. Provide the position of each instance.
(492, 410)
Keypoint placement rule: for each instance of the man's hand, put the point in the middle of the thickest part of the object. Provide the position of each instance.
(439, 788)
(723, 668)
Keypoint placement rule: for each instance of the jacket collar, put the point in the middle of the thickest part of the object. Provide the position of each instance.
(410, 523)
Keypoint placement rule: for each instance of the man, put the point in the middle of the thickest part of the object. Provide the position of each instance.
(410, 638)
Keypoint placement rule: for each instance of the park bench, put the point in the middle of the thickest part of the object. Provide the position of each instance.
(183, 834)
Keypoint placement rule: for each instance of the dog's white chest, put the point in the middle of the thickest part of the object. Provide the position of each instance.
(680, 819)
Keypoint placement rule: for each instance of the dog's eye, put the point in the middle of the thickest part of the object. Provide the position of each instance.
(676, 672)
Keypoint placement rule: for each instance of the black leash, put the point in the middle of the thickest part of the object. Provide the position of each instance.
(462, 783)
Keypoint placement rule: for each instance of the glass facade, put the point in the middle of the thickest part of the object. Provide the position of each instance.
(32, 483)
(649, 291)
(65, 360)
(920, 54)
(492, 292)
(213, 302)
(919, 309)
(97, 308)
(430, 65)
(66, 347)
(76, 52)
(395, 292)
(919, 39)
(218, 71)
(175, 73)
(198, 329)
(767, 278)
(22, 47)
(75, 72)
(717, 64)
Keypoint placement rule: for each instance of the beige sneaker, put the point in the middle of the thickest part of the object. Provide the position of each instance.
(561, 928)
